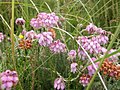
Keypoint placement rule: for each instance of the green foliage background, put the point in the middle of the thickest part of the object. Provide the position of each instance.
(35, 66)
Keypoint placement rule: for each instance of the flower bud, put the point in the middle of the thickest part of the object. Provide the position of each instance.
(20, 21)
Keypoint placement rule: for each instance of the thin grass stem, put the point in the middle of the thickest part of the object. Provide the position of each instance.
(34, 6)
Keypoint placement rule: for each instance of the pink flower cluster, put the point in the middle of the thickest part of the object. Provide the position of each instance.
(57, 47)
(91, 28)
(30, 35)
(47, 20)
(59, 84)
(81, 54)
(91, 69)
(74, 67)
(8, 79)
(92, 46)
(45, 38)
(72, 54)
(101, 39)
(1, 37)
(20, 21)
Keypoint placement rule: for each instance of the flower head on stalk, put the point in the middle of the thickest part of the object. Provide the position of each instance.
(20, 21)
(45, 38)
(91, 28)
(72, 54)
(92, 46)
(59, 84)
(57, 47)
(74, 67)
(81, 54)
(101, 39)
(91, 69)
(47, 20)
(30, 35)
(8, 79)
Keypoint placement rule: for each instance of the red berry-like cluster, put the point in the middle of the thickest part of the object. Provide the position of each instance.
(85, 79)
(109, 68)
(25, 44)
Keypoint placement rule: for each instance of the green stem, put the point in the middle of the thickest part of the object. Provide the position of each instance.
(58, 6)
(86, 11)
(5, 22)
(109, 47)
(34, 6)
(12, 39)
(107, 56)
(48, 7)
(12, 36)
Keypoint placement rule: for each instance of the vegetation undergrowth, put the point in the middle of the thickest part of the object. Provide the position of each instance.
(59, 45)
